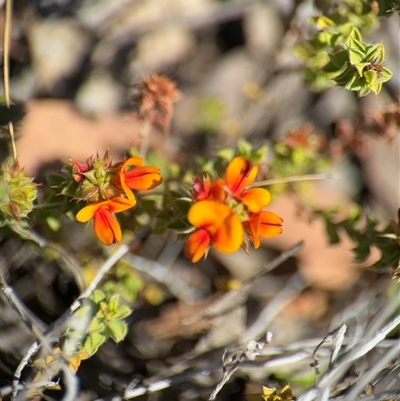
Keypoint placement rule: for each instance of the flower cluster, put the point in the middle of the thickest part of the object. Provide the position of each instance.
(227, 213)
(107, 188)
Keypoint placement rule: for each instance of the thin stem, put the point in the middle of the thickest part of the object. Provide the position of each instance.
(296, 178)
(6, 51)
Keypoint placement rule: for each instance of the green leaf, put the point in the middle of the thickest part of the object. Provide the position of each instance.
(339, 59)
(53, 223)
(356, 56)
(92, 343)
(178, 225)
(364, 90)
(375, 53)
(97, 296)
(344, 78)
(322, 22)
(117, 330)
(123, 311)
(355, 84)
(96, 326)
(362, 251)
(182, 206)
(384, 75)
(370, 77)
(331, 230)
(360, 68)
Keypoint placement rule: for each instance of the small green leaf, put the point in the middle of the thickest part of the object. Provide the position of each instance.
(123, 311)
(339, 59)
(360, 68)
(53, 223)
(97, 296)
(344, 78)
(182, 206)
(356, 56)
(178, 225)
(364, 90)
(375, 53)
(96, 326)
(92, 343)
(384, 75)
(322, 22)
(331, 230)
(370, 77)
(117, 330)
(376, 88)
(355, 84)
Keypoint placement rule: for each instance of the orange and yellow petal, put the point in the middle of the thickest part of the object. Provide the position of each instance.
(255, 199)
(264, 224)
(115, 205)
(86, 213)
(106, 227)
(217, 191)
(270, 225)
(132, 161)
(197, 245)
(208, 214)
(142, 178)
(239, 174)
(119, 204)
(252, 226)
(229, 236)
(136, 161)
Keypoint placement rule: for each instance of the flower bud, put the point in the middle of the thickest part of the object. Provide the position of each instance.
(17, 193)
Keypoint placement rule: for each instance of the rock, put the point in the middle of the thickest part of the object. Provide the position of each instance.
(58, 47)
(100, 94)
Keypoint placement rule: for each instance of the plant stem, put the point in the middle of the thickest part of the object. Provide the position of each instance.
(296, 178)
(6, 51)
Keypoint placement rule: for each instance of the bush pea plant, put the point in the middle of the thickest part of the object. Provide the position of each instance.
(218, 205)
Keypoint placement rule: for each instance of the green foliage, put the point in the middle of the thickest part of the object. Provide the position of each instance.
(105, 316)
(336, 53)
(365, 231)
(124, 282)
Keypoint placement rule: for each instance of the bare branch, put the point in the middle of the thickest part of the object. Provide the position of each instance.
(236, 358)
(110, 262)
(237, 297)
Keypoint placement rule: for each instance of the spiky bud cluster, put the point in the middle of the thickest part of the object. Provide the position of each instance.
(17, 193)
(96, 178)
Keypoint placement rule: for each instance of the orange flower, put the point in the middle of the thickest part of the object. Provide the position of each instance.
(216, 225)
(105, 225)
(139, 178)
(264, 224)
(239, 174)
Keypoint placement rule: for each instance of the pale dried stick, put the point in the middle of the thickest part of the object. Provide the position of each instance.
(110, 262)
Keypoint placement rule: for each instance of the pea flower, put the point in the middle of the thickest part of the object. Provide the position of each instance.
(264, 224)
(239, 174)
(105, 225)
(216, 225)
(139, 178)
(227, 212)
(107, 188)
